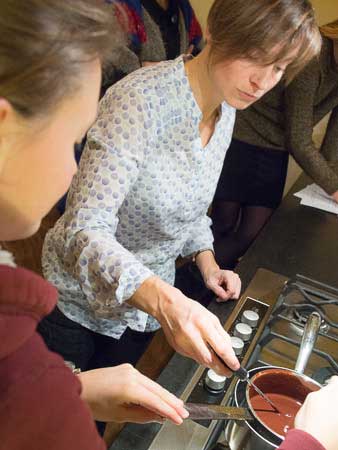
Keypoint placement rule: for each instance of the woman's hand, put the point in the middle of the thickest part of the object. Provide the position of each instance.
(195, 332)
(318, 415)
(190, 328)
(224, 283)
(122, 394)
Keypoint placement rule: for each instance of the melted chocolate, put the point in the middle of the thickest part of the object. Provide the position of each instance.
(279, 422)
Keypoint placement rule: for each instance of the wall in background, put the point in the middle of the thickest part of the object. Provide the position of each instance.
(201, 8)
(326, 11)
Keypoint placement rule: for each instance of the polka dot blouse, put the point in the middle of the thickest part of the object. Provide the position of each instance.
(138, 201)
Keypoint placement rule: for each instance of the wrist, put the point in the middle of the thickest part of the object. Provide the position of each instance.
(152, 297)
(205, 261)
(198, 256)
(208, 271)
(89, 392)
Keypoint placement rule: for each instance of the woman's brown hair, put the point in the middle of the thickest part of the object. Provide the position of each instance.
(330, 30)
(266, 31)
(44, 46)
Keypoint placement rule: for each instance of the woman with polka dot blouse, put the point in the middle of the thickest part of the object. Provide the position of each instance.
(147, 176)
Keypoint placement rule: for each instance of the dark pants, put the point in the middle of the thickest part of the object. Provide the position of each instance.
(90, 350)
(87, 349)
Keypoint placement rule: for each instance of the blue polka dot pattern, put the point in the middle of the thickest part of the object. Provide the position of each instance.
(138, 201)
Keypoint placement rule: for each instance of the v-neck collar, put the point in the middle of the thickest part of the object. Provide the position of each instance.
(197, 108)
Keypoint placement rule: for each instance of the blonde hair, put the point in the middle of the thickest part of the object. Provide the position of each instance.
(44, 46)
(330, 30)
(264, 30)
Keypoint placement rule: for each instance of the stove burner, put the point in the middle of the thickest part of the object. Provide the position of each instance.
(301, 296)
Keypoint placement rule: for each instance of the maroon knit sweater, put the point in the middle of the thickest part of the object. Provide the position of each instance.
(300, 440)
(40, 404)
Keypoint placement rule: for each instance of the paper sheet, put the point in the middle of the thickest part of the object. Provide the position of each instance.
(314, 196)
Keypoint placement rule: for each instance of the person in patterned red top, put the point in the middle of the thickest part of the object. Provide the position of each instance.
(158, 30)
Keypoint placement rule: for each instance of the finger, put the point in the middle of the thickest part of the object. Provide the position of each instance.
(222, 294)
(155, 403)
(222, 286)
(165, 395)
(220, 342)
(219, 367)
(238, 288)
(139, 414)
(228, 283)
(233, 283)
(200, 351)
(190, 50)
(203, 353)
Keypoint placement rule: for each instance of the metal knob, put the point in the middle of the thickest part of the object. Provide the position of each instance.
(250, 317)
(237, 344)
(214, 381)
(243, 331)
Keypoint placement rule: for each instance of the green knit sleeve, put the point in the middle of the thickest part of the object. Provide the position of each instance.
(329, 148)
(299, 100)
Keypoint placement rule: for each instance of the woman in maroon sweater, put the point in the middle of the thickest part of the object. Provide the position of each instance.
(45, 106)
(50, 73)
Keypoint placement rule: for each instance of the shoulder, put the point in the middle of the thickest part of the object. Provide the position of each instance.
(313, 74)
(145, 98)
(147, 83)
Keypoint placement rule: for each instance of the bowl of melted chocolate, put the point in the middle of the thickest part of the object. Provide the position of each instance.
(287, 390)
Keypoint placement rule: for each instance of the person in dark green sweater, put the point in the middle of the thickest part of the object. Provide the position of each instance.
(253, 176)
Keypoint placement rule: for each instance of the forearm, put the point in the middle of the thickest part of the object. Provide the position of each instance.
(317, 167)
(329, 147)
(300, 98)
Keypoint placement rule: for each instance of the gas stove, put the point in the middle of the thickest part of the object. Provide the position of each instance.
(266, 326)
(280, 341)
